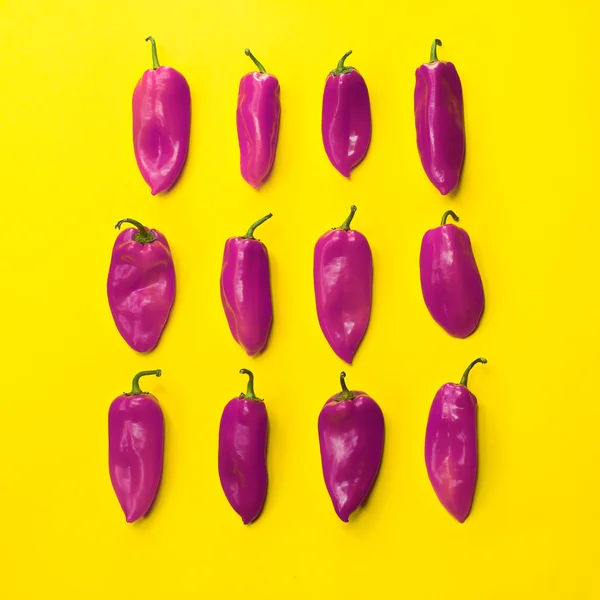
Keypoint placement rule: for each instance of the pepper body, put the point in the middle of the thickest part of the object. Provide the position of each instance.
(136, 434)
(451, 454)
(439, 121)
(346, 117)
(450, 279)
(246, 290)
(161, 124)
(343, 281)
(351, 438)
(243, 435)
(141, 285)
(258, 117)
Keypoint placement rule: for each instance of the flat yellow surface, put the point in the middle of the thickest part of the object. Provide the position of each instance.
(528, 199)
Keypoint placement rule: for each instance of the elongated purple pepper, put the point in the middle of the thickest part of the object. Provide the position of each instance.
(351, 438)
(141, 285)
(136, 440)
(343, 280)
(161, 124)
(243, 435)
(451, 454)
(440, 122)
(450, 280)
(258, 116)
(246, 290)
(346, 118)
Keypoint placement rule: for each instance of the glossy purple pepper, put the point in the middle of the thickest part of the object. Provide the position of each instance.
(136, 440)
(161, 124)
(141, 285)
(450, 280)
(243, 435)
(246, 290)
(451, 454)
(351, 437)
(258, 116)
(343, 280)
(439, 121)
(346, 117)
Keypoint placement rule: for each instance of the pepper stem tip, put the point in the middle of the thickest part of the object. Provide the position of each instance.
(345, 394)
(135, 386)
(465, 378)
(433, 54)
(250, 389)
(341, 68)
(346, 224)
(254, 60)
(155, 63)
(143, 236)
(449, 213)
(250, 233)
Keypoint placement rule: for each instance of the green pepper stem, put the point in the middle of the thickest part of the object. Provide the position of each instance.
(341, 68)
(449, 213)
(346, 224)
(250, 389)
(345, 394)
(254, 60)
(433, 54)
(250, 234)
(155, 63)
(143, 236)
(465, 377)
(135, 387)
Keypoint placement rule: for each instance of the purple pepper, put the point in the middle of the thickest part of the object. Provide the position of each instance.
(258, 116)
(343, 280)
(439, 120)
(246, 290)
(451, 446)
(346, 117)
(351, 437)
(136, 440)
(161, 124)
(243, 435)
(141, 285)
(450, 280)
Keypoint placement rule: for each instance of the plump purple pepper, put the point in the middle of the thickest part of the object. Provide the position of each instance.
(161, 124)
(141, 285)
(136, 440)
(258, 116)
(243, 435)
(346, 117)
(246, 290)
(450, 280)
(351, 437)
(439, 120)
(451, 446)
(343, 280)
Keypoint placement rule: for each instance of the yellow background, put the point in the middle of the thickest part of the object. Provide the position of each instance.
(528, 199)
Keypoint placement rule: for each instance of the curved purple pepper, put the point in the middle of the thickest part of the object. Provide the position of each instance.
(258, 116)
(246, 290)
(243, 435)
(351, 437)
(451, 446)
(346, 118)
(141, 285)
(343, 280)
(136, 440)
(161, 124)
(440, 122)
(450, 280)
